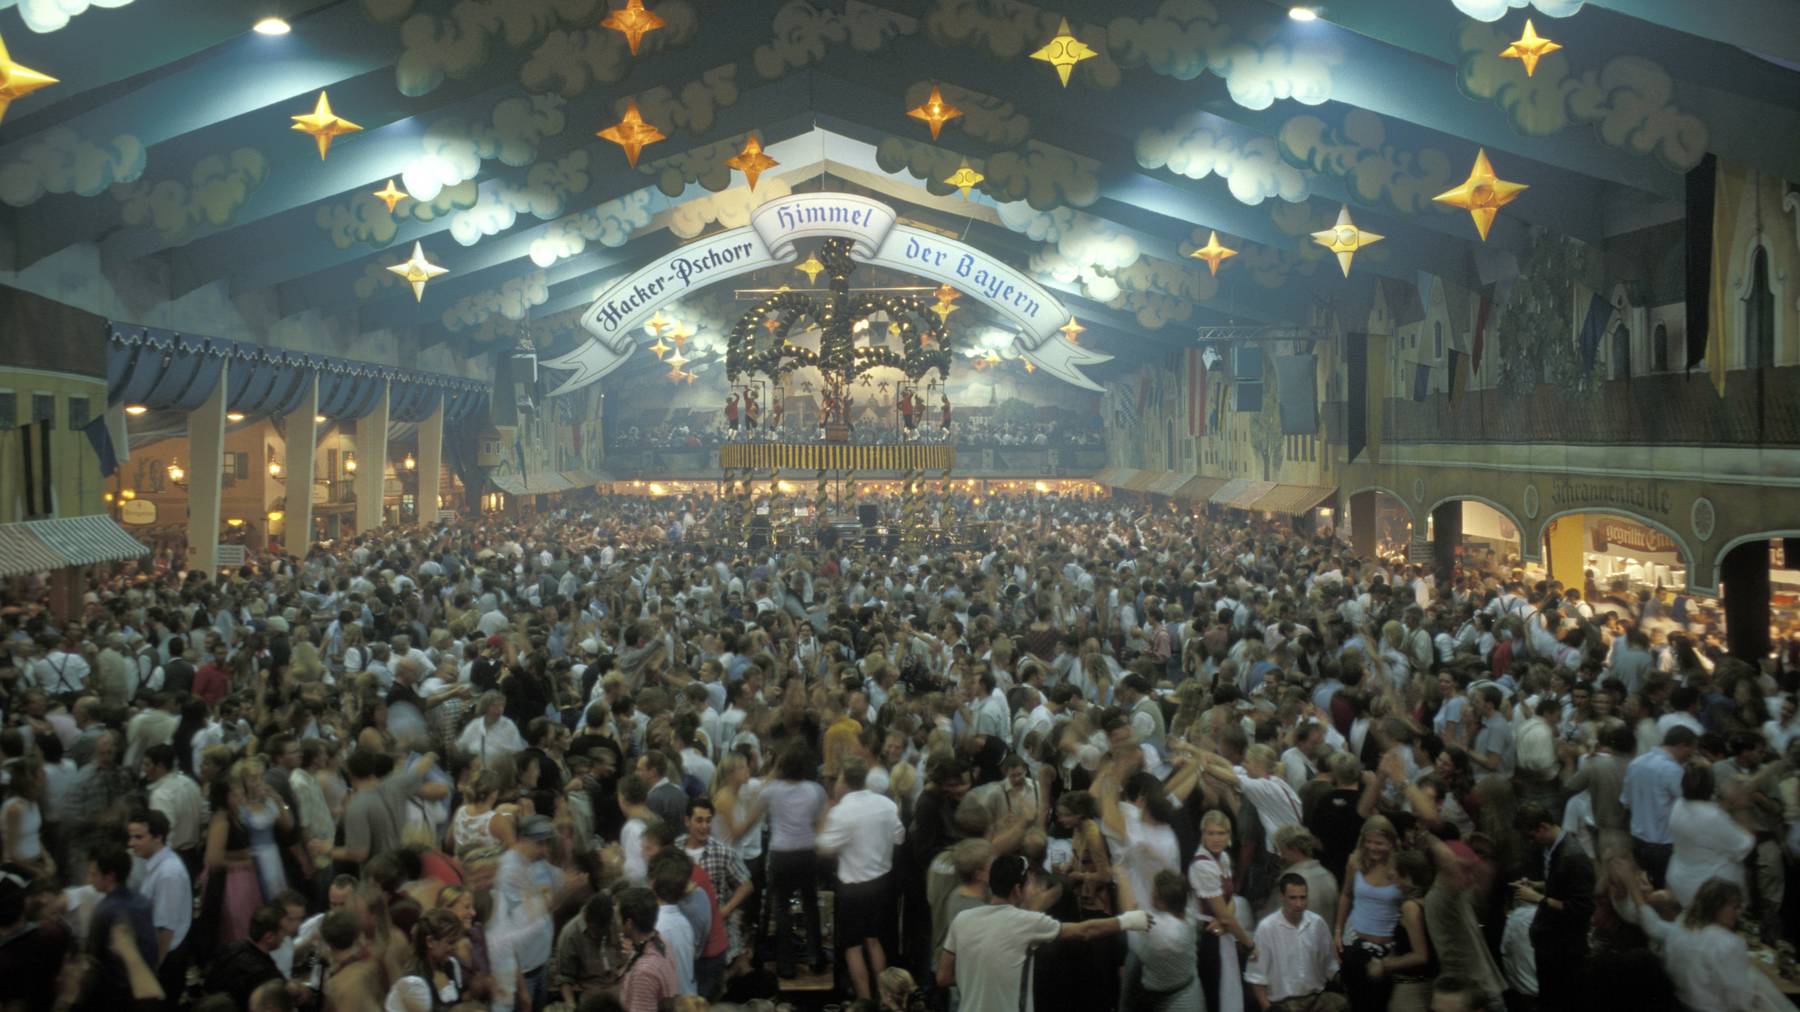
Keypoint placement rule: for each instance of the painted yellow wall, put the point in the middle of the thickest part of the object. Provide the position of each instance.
(75, 468)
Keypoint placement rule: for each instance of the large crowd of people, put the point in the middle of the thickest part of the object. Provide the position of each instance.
(972, 431)
(609, 758)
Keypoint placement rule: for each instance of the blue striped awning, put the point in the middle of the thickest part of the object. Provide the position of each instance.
(33, 546)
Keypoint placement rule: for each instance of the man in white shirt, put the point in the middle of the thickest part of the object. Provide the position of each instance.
(987, 950)
(862, 829)
(170, 892)
(61, 671)
(176, 797)
(1294, 957)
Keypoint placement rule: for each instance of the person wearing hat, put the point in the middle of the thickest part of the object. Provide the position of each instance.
(523, 902)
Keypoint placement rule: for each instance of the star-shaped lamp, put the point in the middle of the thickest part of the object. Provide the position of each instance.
(677, 360)
(323, 125)
(390, 195)
(935, 111)
(965, 178)
(1213, 253)
(944, 309)
(16, 82)
(751, 161)
(1029, 368)
(1072, 330)
(418, 270)
(658, 323)
(1064, 51)
(631, 133)
(1345, 239)
(1483, 194)
(680, 335)
(659, 349)
(811, 267)
(633, 22)
(947, 293)
(1530, 48)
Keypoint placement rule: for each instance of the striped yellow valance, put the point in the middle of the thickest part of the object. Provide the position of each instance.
(836, 457)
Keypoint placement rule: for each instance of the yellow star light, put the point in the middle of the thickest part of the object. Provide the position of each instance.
(944, 309)
(1213, 253)
(633, 22)
(418, 270)
(945, 293)
(751, 161)
(771, 323)
(16, 81)
(688, 378)
(659, 349)
(893, 330)
(1029, 368)
(1483, 194)
(680, 336)
(1345, 238)
(677, 360)
(390, 195)
(658, 323)
(935, 111)
(323, 125)
(1063, 52)
(1072, 331)
(632, 133)
(966, 178)
(811, 267)
(1530, 48)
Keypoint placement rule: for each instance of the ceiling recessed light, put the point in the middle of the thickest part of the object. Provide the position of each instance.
(135, 409)
(234, 416)
(272, 26)
(318, 419)
(1303, 14)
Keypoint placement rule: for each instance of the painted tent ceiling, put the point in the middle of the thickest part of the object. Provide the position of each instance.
(167, 146)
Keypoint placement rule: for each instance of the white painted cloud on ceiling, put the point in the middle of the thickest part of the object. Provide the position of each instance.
(216, 188)
(1360, 155)
(610, 224)
(727, 208)
(1251, 168)
(363, 219)
(513, 300)
(454, 150)
(803, 34)
(1629, 100)
(53, 15)
(1186, 38)
(1044, 175)
(1494, 10)
(1012, 30)
(61, 161)
(544, 195)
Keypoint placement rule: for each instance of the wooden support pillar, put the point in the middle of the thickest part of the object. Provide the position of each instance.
(371, 464)
(302, 435)
(430, 465)
(206, 444)
(1363, 538)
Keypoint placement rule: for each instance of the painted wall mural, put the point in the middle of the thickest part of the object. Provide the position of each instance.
(1186, 38)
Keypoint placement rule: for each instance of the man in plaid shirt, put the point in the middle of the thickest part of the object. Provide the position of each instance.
(731, 884)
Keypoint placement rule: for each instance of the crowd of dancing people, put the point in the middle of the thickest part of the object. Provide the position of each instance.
(609, 758)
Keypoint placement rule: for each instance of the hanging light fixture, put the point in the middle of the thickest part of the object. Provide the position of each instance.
(276, 471)
(350, 463)
(408, 462)
(177, 474)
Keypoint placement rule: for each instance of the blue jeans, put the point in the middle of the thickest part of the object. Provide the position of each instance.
(534, 986)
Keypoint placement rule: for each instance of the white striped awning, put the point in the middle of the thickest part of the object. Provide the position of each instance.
(33, 546)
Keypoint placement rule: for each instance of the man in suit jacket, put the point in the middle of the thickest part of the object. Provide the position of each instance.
(667, 799)
(1565, 905)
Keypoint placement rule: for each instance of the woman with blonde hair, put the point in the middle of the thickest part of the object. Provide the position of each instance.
(1215, 917)
(352, 656)
(305, 664)
(1368, 913)
(242, 860)
(482, 823)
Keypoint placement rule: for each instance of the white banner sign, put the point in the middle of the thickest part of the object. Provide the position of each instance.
(771, 237)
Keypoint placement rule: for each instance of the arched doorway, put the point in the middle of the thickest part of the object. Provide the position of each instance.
(1622, 558)
(1758, 576)
(1378, 523)
(1475, 533)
